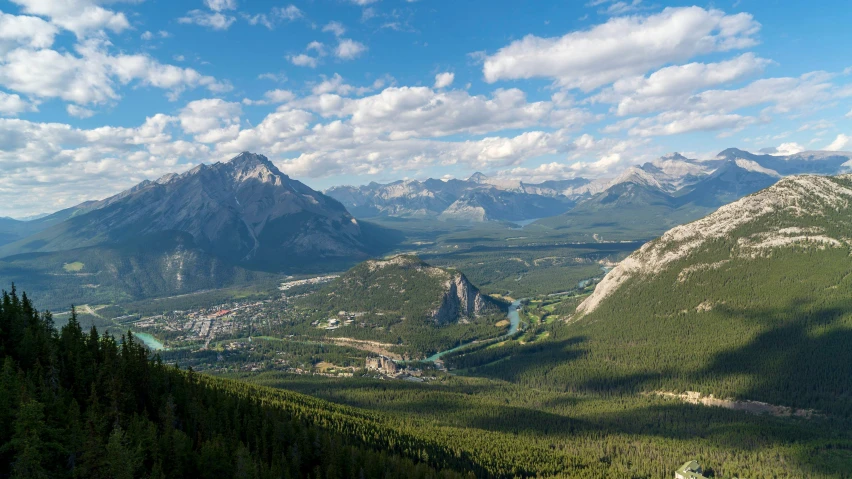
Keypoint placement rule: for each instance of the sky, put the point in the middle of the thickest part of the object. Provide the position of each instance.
(98, 95)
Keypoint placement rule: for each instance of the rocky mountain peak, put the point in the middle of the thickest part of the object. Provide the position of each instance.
(477, 178)
(251, 166)
(637, 176)
(733, 153)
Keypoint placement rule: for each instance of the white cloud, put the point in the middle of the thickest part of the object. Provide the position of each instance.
(336, 28)
(335, 84)
(784, 149)
(317, 47)
(817, 125)
(621, 7)
(279, 96)
(349, 49)
(214, 20)
(12, 104)
(78, 16)
(25, 31)
(220, 5)
(200, 116)
(79, 112)
(303, 60)
(445, 79)
(363, 2)
(678, 122)
(211, 120)
(147, 36)
(411, 112)
(839, 143)
(673, 85)
(88, 164)
(288, 13)
(93, 76)
(621, 47)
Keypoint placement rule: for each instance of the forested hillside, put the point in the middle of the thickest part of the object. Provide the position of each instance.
(751, 302)
(405, 302)
(76, 404)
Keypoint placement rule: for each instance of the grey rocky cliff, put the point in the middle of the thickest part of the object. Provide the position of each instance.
(461, 299)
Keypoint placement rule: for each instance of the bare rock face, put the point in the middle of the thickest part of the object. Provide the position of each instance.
(461, 299)
(245, 211)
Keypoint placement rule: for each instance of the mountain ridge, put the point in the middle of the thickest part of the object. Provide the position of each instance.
(240, 210)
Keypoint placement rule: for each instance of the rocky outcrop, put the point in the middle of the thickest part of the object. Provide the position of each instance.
(461, 299)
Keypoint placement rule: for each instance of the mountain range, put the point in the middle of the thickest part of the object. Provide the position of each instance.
(644, 200)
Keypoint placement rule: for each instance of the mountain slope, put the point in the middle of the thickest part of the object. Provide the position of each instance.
(494, 204)
(405, 301)
(634, 206)
(815, 162)
(752, 302)
(732, 180)
(157, 265)
(244, 211)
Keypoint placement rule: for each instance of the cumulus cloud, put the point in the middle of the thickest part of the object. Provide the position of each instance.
(93, 74)
(81, 17)
(36, 157)
(336, 28)
(839, 143)
(79, 112)
(220, 5)
(213, 20)
(25, 31)
(784, 149)
(674, 84)
(407, 112)
(276, 15)
(303, 60)
(13, 105)
(443, 80)
(348, 49)
(679, 121)
(622, 47)
(211, 120)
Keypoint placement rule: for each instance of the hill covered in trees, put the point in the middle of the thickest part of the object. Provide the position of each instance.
(83, 405)
(408, 303)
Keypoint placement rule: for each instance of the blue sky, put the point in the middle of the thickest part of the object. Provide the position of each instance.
(97, 95)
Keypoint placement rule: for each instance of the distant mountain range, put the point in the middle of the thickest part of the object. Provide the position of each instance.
(644, 201)
(479, 198)
(656, 195)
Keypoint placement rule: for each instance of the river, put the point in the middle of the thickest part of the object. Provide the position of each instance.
(514, 323)
(149, 341)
